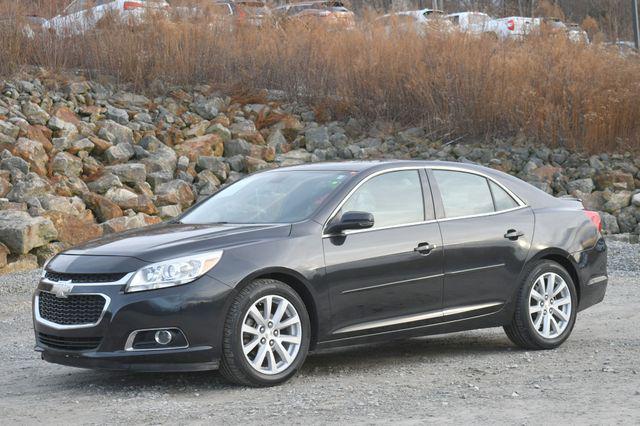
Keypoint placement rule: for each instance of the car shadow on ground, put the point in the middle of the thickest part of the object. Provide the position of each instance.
(319, 364)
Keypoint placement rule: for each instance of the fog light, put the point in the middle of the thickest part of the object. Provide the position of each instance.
(163, 337)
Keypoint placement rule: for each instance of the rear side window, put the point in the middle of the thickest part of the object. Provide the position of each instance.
(394, 198)
(502, 200)
(463, 194)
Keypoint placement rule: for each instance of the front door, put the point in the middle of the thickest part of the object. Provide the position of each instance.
(389, 276)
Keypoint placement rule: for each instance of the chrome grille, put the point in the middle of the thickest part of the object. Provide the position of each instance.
(83, 278)
(78, 309)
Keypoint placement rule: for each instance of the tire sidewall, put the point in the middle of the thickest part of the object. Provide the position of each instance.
(543, 268)
(277, 289)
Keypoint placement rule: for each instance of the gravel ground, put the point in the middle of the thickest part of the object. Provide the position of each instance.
(478, 376)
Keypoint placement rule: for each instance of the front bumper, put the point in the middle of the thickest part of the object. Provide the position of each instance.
(196, 309)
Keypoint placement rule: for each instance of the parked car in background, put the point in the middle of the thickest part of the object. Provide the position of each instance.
(331, 13)
(29, 25)
(570, 30)
(421, 21)
(577, 34)
(84, 15)
(475, 23)
(514, 27)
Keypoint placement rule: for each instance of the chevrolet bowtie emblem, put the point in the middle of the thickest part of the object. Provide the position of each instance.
(62, 289)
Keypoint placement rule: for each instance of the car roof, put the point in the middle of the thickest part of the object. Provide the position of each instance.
(466, 13)
(526, 192)
(361, 166)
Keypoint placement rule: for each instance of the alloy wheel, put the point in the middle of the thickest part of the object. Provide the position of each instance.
(271, 334)
(550, 305)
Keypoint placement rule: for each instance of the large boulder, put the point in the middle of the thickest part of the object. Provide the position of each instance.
(317, 138)
(31, 186)
(616, 201)
(216, 165)
(73, 229)
(35, 114)
(207, 145)
(66, 164)
(115, 133)
(175, 192)
(237, 147)
(118, 115)
(614, 180)
(102, 207)
(21, 233)
(14, 163)
(124, 223)
(9, 130)
(126, 199)
(130, 173)
(34, 153)
(220, 130)
(207, 183)
(628, 219)
(69, 205)
(158, 157)
(609, 223)
(119, 153)
(208, 108)
(103, 183)
(583, 185)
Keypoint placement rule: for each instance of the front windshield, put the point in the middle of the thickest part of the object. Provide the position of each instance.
(271, 197)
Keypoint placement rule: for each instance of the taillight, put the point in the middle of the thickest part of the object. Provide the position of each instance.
(129, 5)
(511, 24)
(595, 218)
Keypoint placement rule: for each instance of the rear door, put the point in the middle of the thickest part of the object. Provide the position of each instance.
(389, 276)
(486, 234)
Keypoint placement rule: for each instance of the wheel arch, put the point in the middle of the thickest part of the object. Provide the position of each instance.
(565, 260)
(298, 283)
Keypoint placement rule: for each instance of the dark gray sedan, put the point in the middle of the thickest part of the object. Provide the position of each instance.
(290, 260)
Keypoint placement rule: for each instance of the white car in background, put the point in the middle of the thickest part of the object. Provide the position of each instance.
(514, 27)
(474, 23)
(577, 34)
(84, 15)
(572, 31)
(422, 21)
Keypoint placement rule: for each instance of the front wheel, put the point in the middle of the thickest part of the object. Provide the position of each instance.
(266, 335)
(546, 308)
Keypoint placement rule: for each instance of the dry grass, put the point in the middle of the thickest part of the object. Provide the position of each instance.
(545, 89)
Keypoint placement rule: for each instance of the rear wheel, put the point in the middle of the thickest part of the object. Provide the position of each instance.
(546, 308)
(266, 335)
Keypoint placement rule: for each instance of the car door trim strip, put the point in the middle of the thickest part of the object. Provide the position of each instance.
(479, 268)
(414, 318)
(372, 287)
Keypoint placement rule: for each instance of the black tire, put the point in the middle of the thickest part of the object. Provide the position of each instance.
(521, 331)
(234, 366)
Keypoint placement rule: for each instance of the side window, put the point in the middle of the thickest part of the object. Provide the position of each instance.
(76, 6)
(463, 194)
(394, 198)
(501, 199)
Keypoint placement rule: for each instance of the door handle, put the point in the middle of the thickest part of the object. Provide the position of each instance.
(424, 248)
(513, 234)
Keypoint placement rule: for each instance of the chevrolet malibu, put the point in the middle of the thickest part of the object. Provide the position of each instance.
(297, 259)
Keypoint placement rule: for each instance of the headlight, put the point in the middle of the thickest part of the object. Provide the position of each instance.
(173, 272)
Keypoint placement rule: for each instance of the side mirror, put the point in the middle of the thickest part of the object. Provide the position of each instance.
(352, 220)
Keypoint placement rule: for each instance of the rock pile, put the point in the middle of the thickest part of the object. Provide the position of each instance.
(80, 159)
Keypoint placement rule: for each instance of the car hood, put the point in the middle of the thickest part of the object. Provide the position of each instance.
(169, 240)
